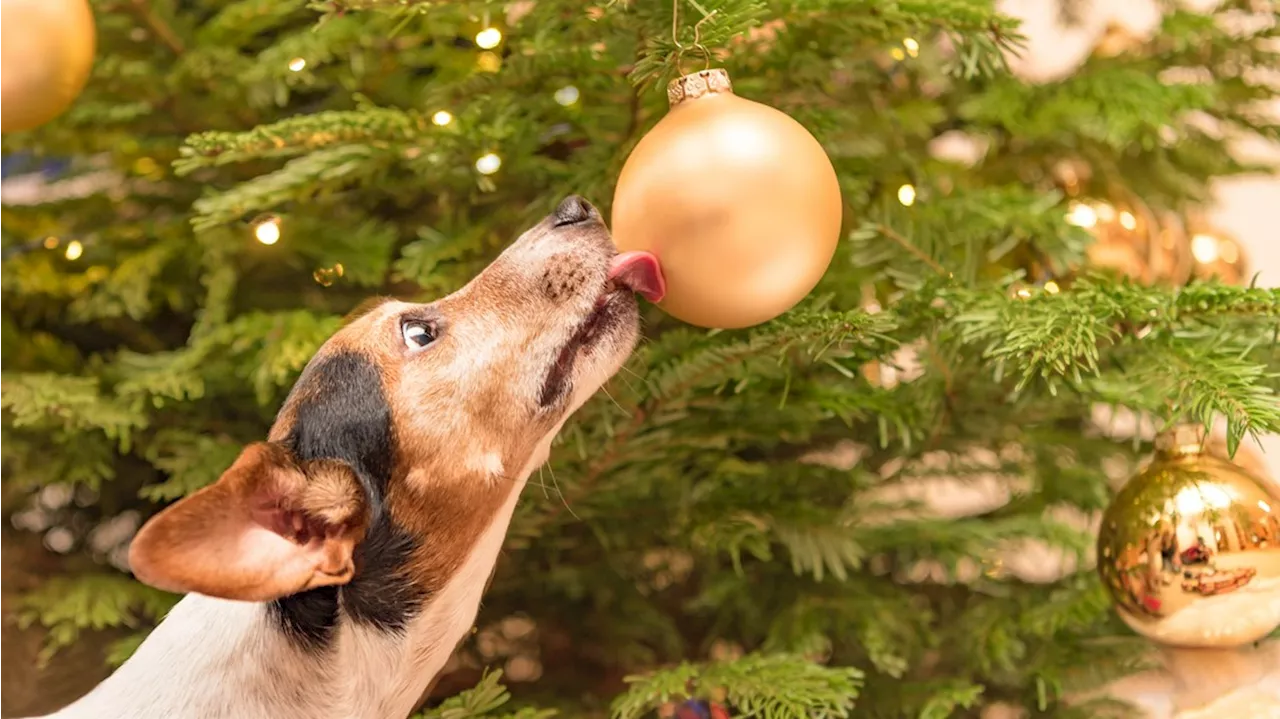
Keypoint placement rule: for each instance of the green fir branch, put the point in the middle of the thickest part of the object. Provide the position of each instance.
(768, 686)
(68, 606)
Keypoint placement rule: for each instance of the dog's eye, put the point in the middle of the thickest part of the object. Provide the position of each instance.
(417, 334)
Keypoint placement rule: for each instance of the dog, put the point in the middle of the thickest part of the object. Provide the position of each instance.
(333, 568)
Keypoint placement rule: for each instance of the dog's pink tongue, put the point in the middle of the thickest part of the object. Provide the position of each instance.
(640, 272)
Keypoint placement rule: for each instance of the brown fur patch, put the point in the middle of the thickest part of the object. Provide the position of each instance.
(332, 494)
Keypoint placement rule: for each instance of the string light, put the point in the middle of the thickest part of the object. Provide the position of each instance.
(1205, 248)
(1024, 293)
(1082, 215)
(898, 54)
(1128, 221)
(567, 95)
(913, 47)
(442, 118)
(907, 195)
(267, 230)
(297, 64)
(50, 242)
(74, 250)
(489, 38)
(1051, 287)
(488, 164)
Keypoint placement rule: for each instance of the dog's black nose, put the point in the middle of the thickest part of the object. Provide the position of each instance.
(573, 210)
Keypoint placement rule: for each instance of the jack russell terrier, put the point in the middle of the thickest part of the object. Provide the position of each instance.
(333, 569)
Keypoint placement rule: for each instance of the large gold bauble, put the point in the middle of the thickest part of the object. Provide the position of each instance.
(1190, 549)
(46, 53)
(738, 201)
(1133, 240)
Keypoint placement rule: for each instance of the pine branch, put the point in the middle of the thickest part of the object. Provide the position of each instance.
(67, 404)
(768, 686)
(300, 179)
(302, 134)
(69, 606)
(482, 700)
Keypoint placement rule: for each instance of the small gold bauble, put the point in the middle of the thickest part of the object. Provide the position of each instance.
(1190, 549)
(1215, 253)
(739, 203)
(47, 50)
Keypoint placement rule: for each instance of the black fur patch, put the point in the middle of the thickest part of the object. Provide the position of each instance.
(344, 415)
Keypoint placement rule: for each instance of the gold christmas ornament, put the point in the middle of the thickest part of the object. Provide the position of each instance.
(1135, 241)
(738, 201)
(47, 53)
(1117, 40)
(1218, 256)
(1190, 549)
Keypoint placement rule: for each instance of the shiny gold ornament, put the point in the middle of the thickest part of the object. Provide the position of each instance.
(1215, 254)
(1190, 549)
(1117, 40)
(1133, 240)
(47, 53)
(737, 200)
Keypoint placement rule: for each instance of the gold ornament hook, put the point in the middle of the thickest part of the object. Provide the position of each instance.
(697, 38)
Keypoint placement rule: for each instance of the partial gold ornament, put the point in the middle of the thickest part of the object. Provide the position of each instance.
(1190, 548)
(1117, 40)
(738, 201)
(1132, 239)
(1216, 254)
(46, 54)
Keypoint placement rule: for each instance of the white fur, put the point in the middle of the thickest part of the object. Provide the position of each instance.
(488, 464)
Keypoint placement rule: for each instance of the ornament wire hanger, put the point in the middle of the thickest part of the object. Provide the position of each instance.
(697, 37)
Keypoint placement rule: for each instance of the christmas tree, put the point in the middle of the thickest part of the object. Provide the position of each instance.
(743, 517)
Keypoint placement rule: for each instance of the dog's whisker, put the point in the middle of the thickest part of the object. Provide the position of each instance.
(614, 401)
(543, 484)
(563, 499)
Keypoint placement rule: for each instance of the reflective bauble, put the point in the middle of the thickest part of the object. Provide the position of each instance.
(46, 54)
(1131, 239)
(1190, 549)
(740, 204)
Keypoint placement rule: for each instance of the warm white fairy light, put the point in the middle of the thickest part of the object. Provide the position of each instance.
(74, 250)
(442, 118)
(1128, 221)
(50, 242)
(898, 54)
(907, 195)
(297, 64)
(1205, 248)
(913, 47)
(488, 164)
(567, 95)
(267, 231)
(489, 38)
(1082, 215)
(1051, 287)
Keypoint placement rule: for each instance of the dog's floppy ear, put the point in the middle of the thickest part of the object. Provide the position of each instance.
(269, 527)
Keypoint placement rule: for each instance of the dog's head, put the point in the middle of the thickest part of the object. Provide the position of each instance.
(408, 429)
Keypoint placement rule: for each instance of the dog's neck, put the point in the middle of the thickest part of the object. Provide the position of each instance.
(215, 659)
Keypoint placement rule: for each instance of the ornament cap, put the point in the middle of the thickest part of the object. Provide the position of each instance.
(699, 84)
(1181, 440)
